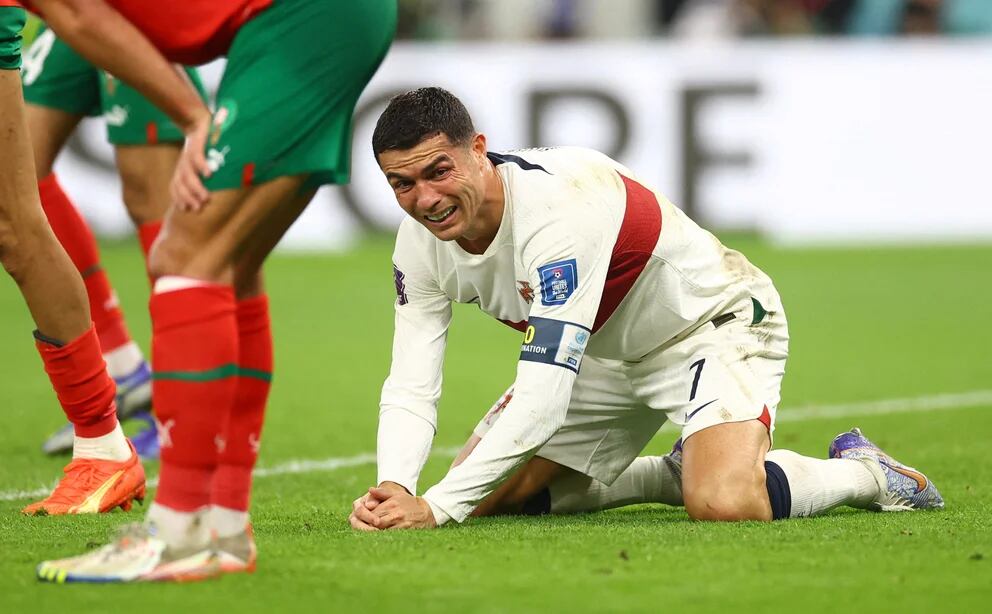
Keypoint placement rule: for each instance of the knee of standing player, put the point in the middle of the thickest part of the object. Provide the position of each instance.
(8, 247)
(739, 496)
(167, 257)
(144, 201)
(16, 251)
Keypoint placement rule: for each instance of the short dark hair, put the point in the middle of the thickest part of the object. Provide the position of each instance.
(419, 114)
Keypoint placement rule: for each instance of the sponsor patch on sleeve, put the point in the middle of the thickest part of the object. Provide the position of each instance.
(558, 281)
(554, 342)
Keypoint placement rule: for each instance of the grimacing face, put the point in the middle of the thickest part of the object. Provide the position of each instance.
(440, 184)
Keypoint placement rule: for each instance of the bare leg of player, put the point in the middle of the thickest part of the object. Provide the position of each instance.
(729, 474)
(50, 129)
(56, 298)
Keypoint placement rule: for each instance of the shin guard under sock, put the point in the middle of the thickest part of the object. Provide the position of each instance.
(232, 481)
(194, 354)
(79, 376)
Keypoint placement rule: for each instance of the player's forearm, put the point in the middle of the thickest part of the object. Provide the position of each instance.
(104, 37)
(404, 442)
(532, 417)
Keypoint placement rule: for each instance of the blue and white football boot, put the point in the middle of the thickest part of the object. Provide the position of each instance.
(901, 488)
(134, 401)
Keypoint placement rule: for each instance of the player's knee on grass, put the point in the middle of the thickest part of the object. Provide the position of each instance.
(728, 496)
(723, 472)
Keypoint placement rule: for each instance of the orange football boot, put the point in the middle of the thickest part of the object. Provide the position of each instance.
(94, 486)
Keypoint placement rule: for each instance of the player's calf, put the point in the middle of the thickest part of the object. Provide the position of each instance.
(514, 495)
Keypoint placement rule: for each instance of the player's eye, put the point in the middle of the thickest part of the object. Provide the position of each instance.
(441, 172)
(402, 186)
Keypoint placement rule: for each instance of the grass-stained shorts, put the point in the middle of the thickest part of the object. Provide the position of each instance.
(57, 77)
(11, 23)
(286, 100)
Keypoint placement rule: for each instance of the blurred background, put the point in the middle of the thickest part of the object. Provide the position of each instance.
(803, 121)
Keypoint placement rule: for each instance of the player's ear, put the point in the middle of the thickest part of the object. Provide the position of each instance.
(479, 145)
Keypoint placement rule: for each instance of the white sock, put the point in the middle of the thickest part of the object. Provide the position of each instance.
(112, 446)
(649, 479)
(818, 485)
(180, 530)
(227, 522)
(123, 360)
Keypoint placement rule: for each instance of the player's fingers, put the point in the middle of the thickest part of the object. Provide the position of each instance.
(192, 194)
(188, 202)
(359, 525)
(365, 502)
(384, 509)
(357, 503)
(193, 183)
(397, 523)
(199, 161)
(366, 516)
(381, 494)
(180, 196)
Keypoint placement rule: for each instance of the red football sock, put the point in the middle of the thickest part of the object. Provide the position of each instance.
(147, 233)
(232, 480)
(79, 376)
(78, 241)
(194, 359)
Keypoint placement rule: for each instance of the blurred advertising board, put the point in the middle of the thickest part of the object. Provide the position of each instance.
(804, 142)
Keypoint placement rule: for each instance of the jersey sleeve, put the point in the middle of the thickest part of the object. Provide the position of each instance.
(408, 406)
(566, 252)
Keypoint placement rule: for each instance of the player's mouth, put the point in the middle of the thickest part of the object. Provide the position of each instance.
(441, 216)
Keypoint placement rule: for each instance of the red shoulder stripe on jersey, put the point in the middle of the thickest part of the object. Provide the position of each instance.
(638, 236)
(9, 3)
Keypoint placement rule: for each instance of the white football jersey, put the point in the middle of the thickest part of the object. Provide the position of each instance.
(587, 260)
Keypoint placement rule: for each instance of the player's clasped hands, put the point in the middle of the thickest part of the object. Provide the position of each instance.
(390, 506)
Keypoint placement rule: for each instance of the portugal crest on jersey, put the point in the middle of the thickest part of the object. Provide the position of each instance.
(558, 281)
(526, 292)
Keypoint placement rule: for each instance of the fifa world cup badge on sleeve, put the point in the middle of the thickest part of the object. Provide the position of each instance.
(558, 281)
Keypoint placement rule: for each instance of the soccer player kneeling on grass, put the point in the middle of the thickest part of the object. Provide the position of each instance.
(631, 315)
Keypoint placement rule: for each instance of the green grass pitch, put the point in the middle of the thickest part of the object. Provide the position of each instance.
(866, 325)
